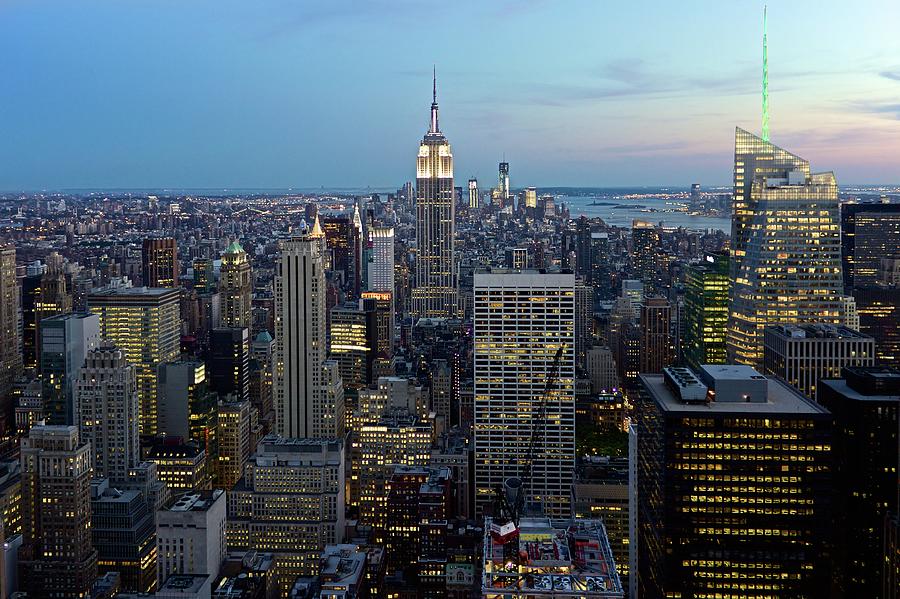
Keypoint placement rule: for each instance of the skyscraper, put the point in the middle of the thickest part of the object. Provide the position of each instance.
(159, 260)
(473, 193)
(644, 247)
(57, 558)
(705, 314)
(868, 233)
(381, 268)
(144, 322)
(10, 358)
(503, 183)
(65, 341)
(301, 408)
(786, 246)
(107, 398)
(228, 362)
(733, 486)
(434, 293)
(235, 287)
(656, 320)
(530, 197)
(521, 320)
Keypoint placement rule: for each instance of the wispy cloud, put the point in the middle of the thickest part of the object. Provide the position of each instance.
(889, 109)
(892, 75)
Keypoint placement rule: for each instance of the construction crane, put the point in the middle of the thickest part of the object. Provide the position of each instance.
(511, 497)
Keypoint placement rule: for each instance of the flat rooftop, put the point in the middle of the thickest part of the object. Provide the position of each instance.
(196, 502)
(780, 399)
(816, 331)
(135, 292)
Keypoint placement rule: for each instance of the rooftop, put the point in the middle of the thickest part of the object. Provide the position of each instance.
(196, 502)
(816, 331)
(155, 292)
(556, 559)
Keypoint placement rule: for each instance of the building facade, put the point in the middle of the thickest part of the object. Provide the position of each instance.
(235, 287)
(159, 262)
(705, 314)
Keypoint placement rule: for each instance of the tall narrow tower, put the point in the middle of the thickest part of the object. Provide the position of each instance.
(434, 293)
(235, 287)
(765, 83)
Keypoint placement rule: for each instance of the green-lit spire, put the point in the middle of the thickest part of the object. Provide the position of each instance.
(765, 98)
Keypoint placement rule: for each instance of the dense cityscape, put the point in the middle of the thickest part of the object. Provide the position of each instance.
(458, 388)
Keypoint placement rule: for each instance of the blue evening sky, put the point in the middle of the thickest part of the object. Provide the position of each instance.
(259, 93)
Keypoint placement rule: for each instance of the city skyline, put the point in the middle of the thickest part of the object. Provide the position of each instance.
(151, 101)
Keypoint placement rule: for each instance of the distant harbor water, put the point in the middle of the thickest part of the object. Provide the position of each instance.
(620, 212)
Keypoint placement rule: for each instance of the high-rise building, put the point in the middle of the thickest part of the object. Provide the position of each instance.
(379, 308)
(868, 234)
(65, 341)
(434, 292)
(644, 246)
(57, 558)
(204, 277)
(262, 375)
(473, 193)
(864, 403)
(290, 503)
(584, 320)
(350, 345)
(301, 410)
(600, 264)
(144, 323)
(190, 535)
(733, 487)
(159, 261)
(181, 465)
(522, 319)
(879, 316)
(381, 268)
(233, 435)
(341, 249)
(124, 535)
(107, 398)
(10, 358)
(705, 314)
(228, 362)
(235, 287)
(503, 189)
(30, 296)
(530, 197)
(656, 339)
(785, 243)
(601, 368)
(695, 196)
(803, 354)
(187, 406)
(53, 296)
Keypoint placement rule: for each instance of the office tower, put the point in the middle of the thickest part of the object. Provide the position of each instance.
(181, 465)
(420, 503)
(340, 247)
(549, 206)
(57, 557)
(803, 354)
(187, 406)
(441, 389)
(656, 323)
(530, 197)
(473, 193)
(503, 188)
(306, 475)
(379, 307)
(725, 506)
(10, 358)
(599, 266)
(54, 296)
(601, 491)
(629, 355)
(144, 323)
(864, 403)
(228, 362)
(705, 314)
(644, 246)
(351, 345)
(634, 291)
(235, 287)
(233, 434)
(516, 258)
(868, 234)
(601, 368)
(584, 320)
(28, 300)
(398, 437)
(333, 392)
(785, 242)
(434, 293)
(190, 535)
(389, 393)
(583, 267)
(124, 535)
(65, 341)
(879, 316)
(159, 262)
(300, 342)
(521, 321)
(107, 398)
(381, 269)
(262, 375)
(695, 196)
(204, 277)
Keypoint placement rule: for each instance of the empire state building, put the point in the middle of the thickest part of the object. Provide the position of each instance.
(434, 293)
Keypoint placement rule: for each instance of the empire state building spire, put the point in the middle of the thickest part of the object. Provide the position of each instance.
(434, 106)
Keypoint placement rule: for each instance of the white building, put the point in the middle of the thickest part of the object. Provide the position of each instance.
(302, 409)
(381, 269)
(190, 535)
(521, 320)
(109, 408)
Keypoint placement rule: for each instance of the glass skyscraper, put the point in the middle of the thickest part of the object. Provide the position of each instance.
(786, 245)
(705, 311)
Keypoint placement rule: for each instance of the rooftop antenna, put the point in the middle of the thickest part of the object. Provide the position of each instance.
(434, 104)
(765, 88)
